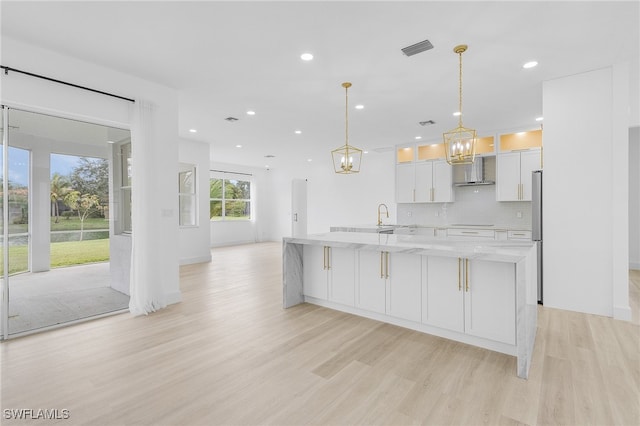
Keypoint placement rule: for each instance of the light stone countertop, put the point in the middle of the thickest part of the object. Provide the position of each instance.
(495, 250)
(388, 227)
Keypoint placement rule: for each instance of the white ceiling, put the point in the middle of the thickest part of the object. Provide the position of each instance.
(225, 58)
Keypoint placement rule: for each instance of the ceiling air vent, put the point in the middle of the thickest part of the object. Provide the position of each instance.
(269, 156)
(417, 48)
(231, 119)
(427, 123)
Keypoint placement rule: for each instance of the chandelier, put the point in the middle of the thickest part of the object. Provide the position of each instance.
(460, 143)
(347, 158)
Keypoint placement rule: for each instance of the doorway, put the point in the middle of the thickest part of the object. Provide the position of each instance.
(55, 221)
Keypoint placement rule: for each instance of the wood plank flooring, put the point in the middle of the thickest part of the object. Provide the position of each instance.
(230, 355)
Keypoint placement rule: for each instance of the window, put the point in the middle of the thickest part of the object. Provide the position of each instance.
(187, 201)
(125, 186)
(230, 199)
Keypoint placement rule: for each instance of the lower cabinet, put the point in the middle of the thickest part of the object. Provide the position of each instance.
(471, 296)
(390, 283)
(329, 273)
(474, 297)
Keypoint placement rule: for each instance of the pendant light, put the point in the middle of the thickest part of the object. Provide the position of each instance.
(347, 158)
(460, 143)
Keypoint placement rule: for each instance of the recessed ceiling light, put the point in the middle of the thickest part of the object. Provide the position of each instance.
(530, 64)
(539, 118)
(359, 106)
(193, 130)
(309, 160)
(110, 142)
(238, 146)
(366, 152)
(251, 113)
(306, 56)
(418, 137)
(521, 133)
(297, 132)
(457, 113)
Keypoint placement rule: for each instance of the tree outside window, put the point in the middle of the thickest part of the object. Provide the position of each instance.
(230, 199)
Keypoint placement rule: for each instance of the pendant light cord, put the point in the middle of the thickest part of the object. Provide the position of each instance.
(346, 115)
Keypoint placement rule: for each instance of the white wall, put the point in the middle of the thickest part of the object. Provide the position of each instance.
(194, 240)
(42, 96)
(586, 169)
(333, 199)
(225, 233)
(634, 198)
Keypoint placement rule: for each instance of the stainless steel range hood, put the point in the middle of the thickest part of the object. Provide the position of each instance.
(481, 172)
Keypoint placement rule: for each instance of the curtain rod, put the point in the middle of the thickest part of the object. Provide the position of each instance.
(232, 173)
(7, 69)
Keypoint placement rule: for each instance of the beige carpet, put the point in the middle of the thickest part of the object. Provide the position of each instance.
(43, 299)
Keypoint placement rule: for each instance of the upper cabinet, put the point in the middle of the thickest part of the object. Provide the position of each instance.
(521, 140)
(519, 155)
(405, 154)
(513, 175)
(425, 182)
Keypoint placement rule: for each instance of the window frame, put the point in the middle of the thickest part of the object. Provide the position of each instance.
(191, 195)
(228, 176)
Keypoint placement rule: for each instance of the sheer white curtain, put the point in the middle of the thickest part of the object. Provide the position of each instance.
(147, 294)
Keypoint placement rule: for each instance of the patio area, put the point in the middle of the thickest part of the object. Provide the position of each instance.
(61, 295)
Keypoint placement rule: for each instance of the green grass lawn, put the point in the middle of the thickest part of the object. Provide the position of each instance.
(62, 254)
(73, 224)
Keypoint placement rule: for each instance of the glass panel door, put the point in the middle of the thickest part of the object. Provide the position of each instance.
(57, 232)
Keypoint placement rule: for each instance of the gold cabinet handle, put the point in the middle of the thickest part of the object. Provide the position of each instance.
(466, 274)
(324, 257)
(328, 257)
(459, 279)
(381, 265)
(387, 264)
(414, 194)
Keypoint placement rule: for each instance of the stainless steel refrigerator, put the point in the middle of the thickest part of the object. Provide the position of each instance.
(536, 223)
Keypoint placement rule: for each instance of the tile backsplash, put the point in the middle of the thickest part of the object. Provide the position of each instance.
(474, 205)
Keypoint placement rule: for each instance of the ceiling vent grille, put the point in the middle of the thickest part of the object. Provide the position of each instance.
(427, 123)
(232, 119)
(417, 48)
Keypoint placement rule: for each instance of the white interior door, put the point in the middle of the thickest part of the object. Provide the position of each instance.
(299, 208)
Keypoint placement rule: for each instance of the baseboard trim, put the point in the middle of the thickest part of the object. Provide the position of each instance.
(192, 260)
(174, 297)
(622, 313)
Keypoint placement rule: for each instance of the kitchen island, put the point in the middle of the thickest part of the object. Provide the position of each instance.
(481, 293)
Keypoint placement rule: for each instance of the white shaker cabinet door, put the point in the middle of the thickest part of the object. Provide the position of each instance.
(424, 182)
(490, 301)
(529, 161)
(371, 281)
(442, 182)
(405, 183)
(508, 177)
(342, 275)
(314, 273)
(443, 293)
(404, 286)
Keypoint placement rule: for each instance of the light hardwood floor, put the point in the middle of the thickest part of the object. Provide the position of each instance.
(229, 354)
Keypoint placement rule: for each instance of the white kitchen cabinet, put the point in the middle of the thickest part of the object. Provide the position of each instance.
(405, 183)
(471, 296)
(490, 300)
(314, 275)
(424, 182)
(372, 281)
(404, 275)
(329, 274)
(513, 175)
(442, 298)
(390, 283)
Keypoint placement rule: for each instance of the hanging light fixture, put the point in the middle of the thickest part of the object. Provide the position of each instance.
(347, 158)
(460, 143)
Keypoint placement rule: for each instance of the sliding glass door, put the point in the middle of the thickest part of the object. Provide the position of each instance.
(56, 222)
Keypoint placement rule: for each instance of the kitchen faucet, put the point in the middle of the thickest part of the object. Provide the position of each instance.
(387, 210)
